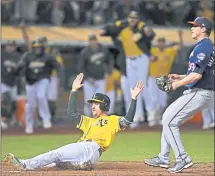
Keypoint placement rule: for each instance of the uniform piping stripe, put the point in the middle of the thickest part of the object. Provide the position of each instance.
(174, 118)
(79, 125)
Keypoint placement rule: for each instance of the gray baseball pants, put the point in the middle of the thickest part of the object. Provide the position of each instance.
(192, 101)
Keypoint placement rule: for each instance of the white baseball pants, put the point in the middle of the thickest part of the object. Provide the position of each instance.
(75, 153)
(177, 113)
(125, 91)
(90, 90)
(12, 90)
(37, 92)
(158, 98)
(137, 69)
(53, 88)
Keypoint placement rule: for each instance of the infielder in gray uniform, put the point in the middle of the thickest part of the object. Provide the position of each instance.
(199, 95)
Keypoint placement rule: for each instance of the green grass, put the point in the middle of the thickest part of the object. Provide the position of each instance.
(126, 147)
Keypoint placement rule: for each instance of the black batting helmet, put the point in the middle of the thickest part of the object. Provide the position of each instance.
(36, 43)
(43, 39)
(103, 99)
(134, 14)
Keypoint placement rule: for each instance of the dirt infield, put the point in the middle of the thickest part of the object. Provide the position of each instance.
(112, 169)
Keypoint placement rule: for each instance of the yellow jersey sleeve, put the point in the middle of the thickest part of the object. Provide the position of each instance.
(154, 51)
(116, 75)
(84, 123)
(59, 59)
(174, 50)
(141, 24)
(118, 23)
(111, 80)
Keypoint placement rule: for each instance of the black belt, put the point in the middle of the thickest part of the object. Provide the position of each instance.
(211, 89)
(133, 58)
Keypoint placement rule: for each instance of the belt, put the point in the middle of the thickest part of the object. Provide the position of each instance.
(132, 58)
(194, 88)
(135, 57)
(86, 140)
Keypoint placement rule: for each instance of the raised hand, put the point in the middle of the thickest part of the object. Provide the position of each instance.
(77, 83)
(135, 92)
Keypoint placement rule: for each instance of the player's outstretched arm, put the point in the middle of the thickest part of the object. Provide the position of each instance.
(71, 110)
(128, 119)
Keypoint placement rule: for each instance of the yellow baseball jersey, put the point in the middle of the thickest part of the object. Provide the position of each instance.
(129, 40)
(165, 60)
(112, 79)
(102, 130)
(57, 56)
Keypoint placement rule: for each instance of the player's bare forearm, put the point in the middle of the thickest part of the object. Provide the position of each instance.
(192, 77)
(176, 77)
(25, 36)
(71, 110)
(182, 76)
(181, 41)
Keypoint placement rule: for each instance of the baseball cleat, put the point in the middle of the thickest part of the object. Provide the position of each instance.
(47, 124)
(29, 130)
(156, 162)
(179, 166)
(211, 125)
(11, 159)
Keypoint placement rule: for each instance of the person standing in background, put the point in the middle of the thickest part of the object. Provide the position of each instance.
(56, 80)
(135, 38)
(37, 66)
(9, 59)
(96, 62)
(162, 66)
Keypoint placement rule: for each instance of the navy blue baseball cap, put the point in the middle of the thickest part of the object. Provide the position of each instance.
(202, 22)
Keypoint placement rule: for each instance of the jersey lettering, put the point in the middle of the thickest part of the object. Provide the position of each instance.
(97, 58)
(36, 64)
(102, 122)
(211, 61)
(192, 66)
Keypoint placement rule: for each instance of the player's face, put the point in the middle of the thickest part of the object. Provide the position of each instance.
(195, 32)
(132, 21)
(93, 43)
(161, 44)
(10, 48)
(38, 50)
(96, 111)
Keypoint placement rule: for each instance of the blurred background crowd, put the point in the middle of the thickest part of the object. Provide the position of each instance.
(81, 18)
(70, 12)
